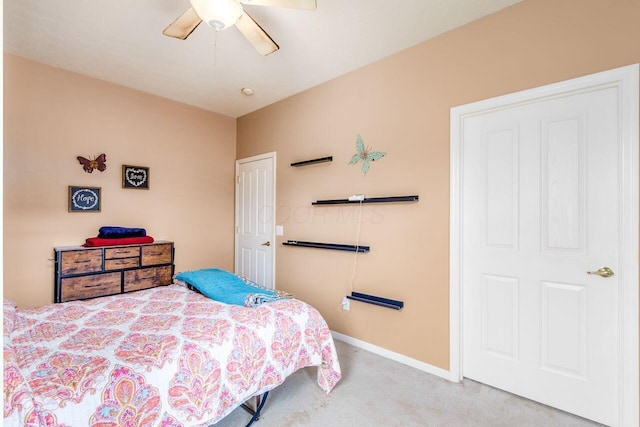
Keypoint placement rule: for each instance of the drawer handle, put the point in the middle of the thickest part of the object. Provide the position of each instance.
(82, 261)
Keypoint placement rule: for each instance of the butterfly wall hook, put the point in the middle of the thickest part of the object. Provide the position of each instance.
(97, 163)
(366, 155)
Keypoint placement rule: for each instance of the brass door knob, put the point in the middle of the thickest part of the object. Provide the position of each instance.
(267, 243)
(602, 272)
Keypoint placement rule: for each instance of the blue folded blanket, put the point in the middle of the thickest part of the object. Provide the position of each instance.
(111, 232)
(226, 287)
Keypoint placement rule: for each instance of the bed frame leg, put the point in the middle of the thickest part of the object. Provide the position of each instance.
(260, 401)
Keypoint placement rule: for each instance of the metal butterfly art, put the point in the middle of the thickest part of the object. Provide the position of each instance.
(97, 163)
(366, 155)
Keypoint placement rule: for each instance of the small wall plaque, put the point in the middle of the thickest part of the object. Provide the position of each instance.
(84, 199)
(135, 177)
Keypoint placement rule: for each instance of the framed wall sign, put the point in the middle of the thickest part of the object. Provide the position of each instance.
(84, 199)
(135, 177)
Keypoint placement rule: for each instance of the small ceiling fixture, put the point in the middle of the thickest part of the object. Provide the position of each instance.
(247, 91)
(219, 14)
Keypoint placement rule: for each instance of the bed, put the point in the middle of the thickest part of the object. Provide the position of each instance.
(166, 356)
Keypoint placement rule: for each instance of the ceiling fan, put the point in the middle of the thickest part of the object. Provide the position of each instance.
(221, 14)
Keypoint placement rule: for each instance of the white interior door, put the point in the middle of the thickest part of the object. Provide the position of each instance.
(255, 216)
(542, 206)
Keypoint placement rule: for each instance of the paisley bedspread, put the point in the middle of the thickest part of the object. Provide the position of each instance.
(161, 357)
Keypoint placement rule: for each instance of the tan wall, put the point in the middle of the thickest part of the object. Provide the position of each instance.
(51, 116)
(401, 105)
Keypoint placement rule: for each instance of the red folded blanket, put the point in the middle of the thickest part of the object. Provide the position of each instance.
(96, 241)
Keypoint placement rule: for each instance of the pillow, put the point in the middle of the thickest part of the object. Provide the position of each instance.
(111, 232)
(221, 285)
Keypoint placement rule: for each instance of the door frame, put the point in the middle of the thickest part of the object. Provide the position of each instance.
(266, 156)
(625, 79)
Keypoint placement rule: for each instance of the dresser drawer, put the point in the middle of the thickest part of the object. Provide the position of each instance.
(143, 278)
(121, 263)
(124, 252)
(96, 285)
(78, 262)
(156, 254)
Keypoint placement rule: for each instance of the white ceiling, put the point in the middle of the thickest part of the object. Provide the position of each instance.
(121, 42)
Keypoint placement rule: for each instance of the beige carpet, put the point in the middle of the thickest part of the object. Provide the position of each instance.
(375, 391)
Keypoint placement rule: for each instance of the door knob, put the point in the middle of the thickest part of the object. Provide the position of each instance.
(267, 243)
(602, 272)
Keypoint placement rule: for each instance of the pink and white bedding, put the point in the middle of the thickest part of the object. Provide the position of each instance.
(166, 356)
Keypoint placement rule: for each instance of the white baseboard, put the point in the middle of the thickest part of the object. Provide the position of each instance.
(434, 370)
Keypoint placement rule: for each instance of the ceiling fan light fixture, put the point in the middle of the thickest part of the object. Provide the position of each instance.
(218, 14)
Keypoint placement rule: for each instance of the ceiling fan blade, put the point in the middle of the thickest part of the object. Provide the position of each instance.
(256, 35)
(184, 25)
(292, 4)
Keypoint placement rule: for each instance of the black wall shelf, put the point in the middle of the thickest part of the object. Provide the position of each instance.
(313, 162)
(382, 302)
(392, 199)
(333, 246)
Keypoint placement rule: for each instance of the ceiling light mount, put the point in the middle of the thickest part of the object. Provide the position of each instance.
(218, 14)
(247, 91)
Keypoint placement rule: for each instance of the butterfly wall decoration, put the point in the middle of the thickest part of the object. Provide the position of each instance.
(97, 163)
(366, 155)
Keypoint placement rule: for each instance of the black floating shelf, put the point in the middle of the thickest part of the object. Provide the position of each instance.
(334, 246)
(392, 199)
(382, 302)
(312, 162)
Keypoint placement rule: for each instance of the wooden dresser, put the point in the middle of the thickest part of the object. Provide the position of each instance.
(82, 273)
